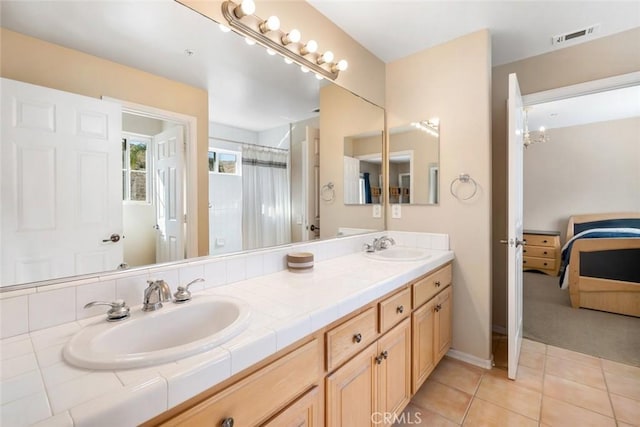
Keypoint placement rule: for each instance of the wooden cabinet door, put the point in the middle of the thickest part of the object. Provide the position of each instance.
(394, 372)
(304, 412)
(423, 322)
(442, 325)
(351, 391)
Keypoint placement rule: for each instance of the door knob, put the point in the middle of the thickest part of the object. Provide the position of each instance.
(113, 238)
(510, 242)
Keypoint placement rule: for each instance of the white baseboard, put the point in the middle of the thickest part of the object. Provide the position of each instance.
(499, 329)
(468, 358)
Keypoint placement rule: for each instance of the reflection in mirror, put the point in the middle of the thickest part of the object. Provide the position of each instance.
(261, 112)
(414, 162)
(363, 169)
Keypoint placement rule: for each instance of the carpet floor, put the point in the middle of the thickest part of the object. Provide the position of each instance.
(550, 319)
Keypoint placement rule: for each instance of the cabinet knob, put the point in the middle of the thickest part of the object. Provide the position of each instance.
(437, 283)
(379, 359)
(384, 354)
(545, 252)
(438, 307)
(545, 241)
(400, 309)
(357, 338)
(227, 422)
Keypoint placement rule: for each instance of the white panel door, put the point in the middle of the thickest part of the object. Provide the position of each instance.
(515, 207)
(61, 184)
(351, 180)
(311, 183)
(169, 194)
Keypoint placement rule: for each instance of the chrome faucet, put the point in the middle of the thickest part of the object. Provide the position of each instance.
(156, 293)
(383, 243)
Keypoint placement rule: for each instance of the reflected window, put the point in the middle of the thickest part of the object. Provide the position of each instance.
(225, 161)
(135, 177)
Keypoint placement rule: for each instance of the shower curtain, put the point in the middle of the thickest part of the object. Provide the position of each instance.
(266, 207)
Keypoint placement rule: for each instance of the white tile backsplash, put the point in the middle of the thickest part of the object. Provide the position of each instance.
(100, 291)
(14, 316)
(62, 303)
(53, 308)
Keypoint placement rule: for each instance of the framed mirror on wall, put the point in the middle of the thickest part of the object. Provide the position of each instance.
(253, 103)
(414, 163)
(363, 169)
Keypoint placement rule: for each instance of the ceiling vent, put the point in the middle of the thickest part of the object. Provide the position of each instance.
(575, 35)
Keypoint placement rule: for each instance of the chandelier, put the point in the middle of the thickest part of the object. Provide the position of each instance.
(533, 137)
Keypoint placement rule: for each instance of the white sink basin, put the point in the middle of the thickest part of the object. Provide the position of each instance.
(168, 334)
(400, 253)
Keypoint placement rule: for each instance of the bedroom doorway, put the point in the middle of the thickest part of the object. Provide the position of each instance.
(563, 177)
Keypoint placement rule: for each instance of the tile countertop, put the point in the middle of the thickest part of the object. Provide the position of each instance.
(37, 385)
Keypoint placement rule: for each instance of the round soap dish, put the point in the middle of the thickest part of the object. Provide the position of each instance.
(300, 261)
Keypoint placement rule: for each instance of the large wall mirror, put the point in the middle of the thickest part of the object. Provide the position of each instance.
(414, 163)
(263, 156)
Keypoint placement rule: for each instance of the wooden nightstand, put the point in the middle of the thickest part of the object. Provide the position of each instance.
(542, 251)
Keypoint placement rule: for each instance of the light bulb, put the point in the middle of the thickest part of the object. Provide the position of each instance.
(271, 52)
(271, 24)
(224, 28)
(304, 69)
(287, 60)
(310, 47)
(249, 41)
(325, 57)
(541, 129)
(247, 7)
(319, 77)
(340, 66)
(292, 36)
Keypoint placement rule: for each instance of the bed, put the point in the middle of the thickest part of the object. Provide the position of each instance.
(600, 263)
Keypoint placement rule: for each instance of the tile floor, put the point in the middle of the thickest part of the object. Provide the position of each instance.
(555, 387)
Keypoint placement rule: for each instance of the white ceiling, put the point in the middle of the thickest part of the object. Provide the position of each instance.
(252, 90)
(596, 107)
(519, 29)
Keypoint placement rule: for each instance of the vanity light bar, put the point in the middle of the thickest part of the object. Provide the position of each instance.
(252, 27)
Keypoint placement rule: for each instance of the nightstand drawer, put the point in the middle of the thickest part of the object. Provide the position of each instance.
(539, 251)
(540, 240)
(541, 263)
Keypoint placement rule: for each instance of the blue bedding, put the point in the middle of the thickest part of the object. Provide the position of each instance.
(595, 233)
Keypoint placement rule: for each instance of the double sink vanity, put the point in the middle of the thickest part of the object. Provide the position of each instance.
(350, 340)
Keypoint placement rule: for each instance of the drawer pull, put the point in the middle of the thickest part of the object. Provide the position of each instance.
(438, 307)
(357, 338)
(400, 309)
(545, 264)
(227, 422)
(545, 241)
(524, 261)
(379, 359)
(545, 252)
(384, 354)
(437, 283)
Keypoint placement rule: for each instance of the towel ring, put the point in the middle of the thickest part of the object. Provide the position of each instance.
(464, 178)
(327, 192)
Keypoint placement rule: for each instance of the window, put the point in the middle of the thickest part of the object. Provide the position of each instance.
(135, 174)
(225, 161)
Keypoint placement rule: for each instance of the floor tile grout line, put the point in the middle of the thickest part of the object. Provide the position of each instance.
(544, 375)
(606, 384)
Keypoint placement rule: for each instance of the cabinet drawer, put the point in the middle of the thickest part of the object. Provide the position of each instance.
(350, 337)
(539, 251)
(394, 309)
(534, 262)
(255, 398)
(540, 240)
(425, 288)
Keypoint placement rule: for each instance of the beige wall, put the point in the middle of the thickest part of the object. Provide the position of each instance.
(365, 75)
(583, 169)
(37, 62)
(453, 82)
(343, 114)
(597, 59)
